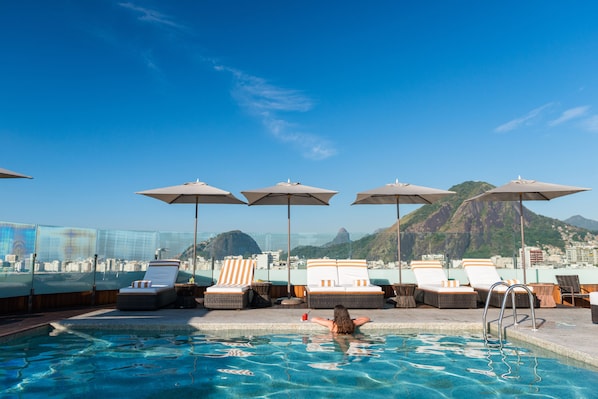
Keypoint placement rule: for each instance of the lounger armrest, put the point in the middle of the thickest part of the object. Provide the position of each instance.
(566, 289)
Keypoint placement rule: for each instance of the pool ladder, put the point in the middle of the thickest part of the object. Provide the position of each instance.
(510, 290)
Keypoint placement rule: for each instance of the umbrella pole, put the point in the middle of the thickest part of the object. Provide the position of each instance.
(289, 247)
(399, 241)
(289, 300)
(522, 238)
(195, 238)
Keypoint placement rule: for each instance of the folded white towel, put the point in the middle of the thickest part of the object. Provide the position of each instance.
(141, 284)
(450, 283)
(327, 283)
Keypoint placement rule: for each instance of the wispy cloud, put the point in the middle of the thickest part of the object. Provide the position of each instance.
(152, 16)
(569, 114)
(267, 102)
(590, 124)
(524, 120)
(261, 99)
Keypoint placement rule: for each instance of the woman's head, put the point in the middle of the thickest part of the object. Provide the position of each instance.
(342, 320)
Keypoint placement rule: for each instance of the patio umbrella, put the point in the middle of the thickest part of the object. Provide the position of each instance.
(529, 190)
(7, 174)
(287, 193)
(400, 193)
(193, 193)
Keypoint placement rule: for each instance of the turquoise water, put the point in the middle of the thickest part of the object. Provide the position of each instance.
(106, 364)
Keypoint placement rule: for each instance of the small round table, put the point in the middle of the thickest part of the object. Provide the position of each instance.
(405, 295)
(261, 294)
(185, 296)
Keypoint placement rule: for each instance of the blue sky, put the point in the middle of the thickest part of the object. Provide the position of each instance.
(101, 99)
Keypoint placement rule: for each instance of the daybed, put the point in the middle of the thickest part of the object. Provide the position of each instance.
(341, 282)
(231, 291)
(440, 292)
(155, 291)
(482, 274)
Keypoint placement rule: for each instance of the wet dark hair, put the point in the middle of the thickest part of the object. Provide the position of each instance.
(342, 320)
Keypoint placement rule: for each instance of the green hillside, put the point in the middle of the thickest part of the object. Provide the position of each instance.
(456, 228)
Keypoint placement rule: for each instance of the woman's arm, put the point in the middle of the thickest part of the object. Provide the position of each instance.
(323, 322)
(360, 321)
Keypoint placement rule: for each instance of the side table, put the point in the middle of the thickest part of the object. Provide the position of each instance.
(185, 296)
(544, 292)
(261, 294)
(405, 295)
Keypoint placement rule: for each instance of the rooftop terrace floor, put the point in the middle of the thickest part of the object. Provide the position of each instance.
(567, 331)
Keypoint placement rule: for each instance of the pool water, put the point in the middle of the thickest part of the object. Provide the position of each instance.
(109, 364)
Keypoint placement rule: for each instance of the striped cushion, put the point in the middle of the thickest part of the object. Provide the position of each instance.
(450, 283)
(426, 263)
(141, 284)
(511, 282)
(477, 262)
(236, 272)
(360, 283)
(327, 283)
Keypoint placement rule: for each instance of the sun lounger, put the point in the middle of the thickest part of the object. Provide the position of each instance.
(231, 291)
(440, 292)
(155, 291)
(482, 275)
(341, 282)
(571, 288)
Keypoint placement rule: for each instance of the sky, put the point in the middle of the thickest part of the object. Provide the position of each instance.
(101, 99)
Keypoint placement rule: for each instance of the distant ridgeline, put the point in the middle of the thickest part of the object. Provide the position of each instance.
(232, 243)
(451, 226)
(584, 223)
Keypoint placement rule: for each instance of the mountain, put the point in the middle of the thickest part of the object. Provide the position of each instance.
(582, 222)
(232, 243)
(342, 237)
(455, 228)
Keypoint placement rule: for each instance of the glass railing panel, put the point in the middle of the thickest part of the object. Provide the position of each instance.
(17, 246)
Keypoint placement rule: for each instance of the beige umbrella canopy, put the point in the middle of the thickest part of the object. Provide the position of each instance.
(288, 193)
(193, 193)
(9, 174)
(400, 193)
(528, 190)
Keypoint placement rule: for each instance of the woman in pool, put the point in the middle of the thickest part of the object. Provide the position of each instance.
(342, 322)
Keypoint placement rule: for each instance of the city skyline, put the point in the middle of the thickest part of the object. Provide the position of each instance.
(103, 99)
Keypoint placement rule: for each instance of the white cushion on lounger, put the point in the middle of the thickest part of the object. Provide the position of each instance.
(227, 288)
(441, 289)
(503, 288)
(482, 274)
(162, 274)
(352, 270)
(159, 273)
(319, 270)
(430, 276)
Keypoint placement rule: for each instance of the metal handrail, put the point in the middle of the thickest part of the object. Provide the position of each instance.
(485, 326)
(511, 290)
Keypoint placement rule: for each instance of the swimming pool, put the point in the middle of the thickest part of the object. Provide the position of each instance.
(109, 364)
